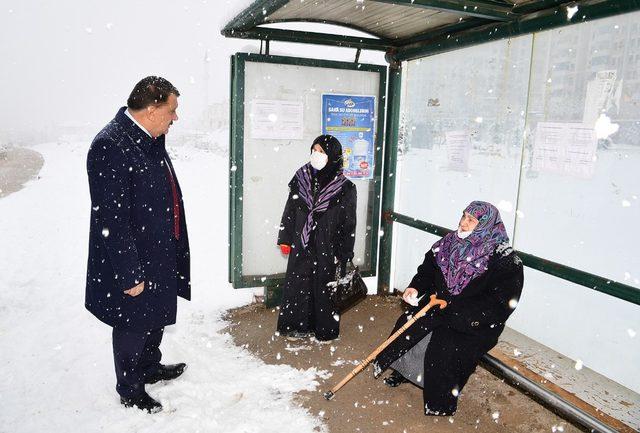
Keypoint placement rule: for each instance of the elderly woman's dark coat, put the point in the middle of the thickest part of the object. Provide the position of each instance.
(459, 335)
(306, 305)
(132, 232)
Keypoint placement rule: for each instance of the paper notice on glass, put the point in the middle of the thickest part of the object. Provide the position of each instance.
(458, 147)
(565, 148)
(601, 95)
(276, 120)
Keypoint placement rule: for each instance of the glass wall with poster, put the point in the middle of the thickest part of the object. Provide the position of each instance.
(279, 106)
(547, 128)
(579, 189)
(461, 128)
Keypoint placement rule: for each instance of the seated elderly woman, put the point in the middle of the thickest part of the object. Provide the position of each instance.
(475, 270)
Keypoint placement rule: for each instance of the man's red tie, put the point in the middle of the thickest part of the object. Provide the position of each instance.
(176, 202)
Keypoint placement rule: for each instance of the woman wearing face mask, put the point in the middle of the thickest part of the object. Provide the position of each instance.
(318, 233)
(475, 270)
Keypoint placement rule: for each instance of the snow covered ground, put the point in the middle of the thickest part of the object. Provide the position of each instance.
(56, 358)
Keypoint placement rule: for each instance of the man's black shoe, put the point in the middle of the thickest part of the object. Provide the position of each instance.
(394, 379)
(143, 402)
(166, 372)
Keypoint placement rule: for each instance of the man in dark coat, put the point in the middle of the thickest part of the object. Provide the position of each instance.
(318, 232)
(138, 244)
(480, 276)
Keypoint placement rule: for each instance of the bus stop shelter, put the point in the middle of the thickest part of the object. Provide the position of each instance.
(531, 105)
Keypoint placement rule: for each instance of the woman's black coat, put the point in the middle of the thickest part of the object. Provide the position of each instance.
(306, 305)
(131, 236)
(462, 332)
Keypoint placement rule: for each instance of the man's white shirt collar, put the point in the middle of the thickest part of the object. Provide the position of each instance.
(136, 122)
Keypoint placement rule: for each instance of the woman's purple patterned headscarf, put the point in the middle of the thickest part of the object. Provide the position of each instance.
(462, 260)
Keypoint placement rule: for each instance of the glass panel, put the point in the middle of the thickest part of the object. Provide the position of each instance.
(577, 202)
(582, 324)
(462, 122)
(269, 164)
(583, 143)
(412, 244)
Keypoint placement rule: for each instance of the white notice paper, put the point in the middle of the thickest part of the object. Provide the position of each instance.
(601, 93)
(565, 148)
(458, 146)
(276, 120)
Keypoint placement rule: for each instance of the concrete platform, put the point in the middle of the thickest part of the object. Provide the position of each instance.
(605, 395)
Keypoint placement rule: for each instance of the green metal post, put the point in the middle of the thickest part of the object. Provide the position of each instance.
(236, 164)
(389, 182)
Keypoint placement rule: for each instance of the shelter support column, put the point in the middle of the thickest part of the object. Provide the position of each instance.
(389, 175)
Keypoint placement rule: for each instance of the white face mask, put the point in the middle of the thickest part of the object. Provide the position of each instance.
(318, 160)
(464, 235)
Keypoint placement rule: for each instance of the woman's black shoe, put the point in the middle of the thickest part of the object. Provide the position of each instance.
(143, 402)
(394, 379)
(166, 372)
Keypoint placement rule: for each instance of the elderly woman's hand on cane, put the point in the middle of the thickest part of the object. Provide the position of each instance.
(410, 296)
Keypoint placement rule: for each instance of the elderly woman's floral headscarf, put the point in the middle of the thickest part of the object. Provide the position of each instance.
(462, 260)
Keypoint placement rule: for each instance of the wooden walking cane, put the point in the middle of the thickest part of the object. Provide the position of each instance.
(432, 302)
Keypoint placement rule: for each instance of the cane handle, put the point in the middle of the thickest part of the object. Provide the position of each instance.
(433, 301)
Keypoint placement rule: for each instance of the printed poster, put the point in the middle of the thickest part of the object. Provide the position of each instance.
(565, 148)
(351, 119)
(458, 148)
(276, 120)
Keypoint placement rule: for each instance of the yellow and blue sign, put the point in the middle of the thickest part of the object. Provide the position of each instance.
(351, 119)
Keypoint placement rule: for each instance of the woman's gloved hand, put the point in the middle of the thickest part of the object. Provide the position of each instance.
(285, 249)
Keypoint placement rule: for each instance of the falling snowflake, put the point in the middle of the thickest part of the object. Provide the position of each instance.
(105, 232)
(578, 365)
(604, 127)
(571, 11)
(505, 205)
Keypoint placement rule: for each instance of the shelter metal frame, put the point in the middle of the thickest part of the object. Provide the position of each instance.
(236, 160)
(478, 21)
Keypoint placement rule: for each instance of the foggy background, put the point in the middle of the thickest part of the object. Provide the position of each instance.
(68, 66)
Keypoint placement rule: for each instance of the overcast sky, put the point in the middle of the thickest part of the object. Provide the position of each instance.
(72, 63)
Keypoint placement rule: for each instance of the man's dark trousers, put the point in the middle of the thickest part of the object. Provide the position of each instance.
(136, 355)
